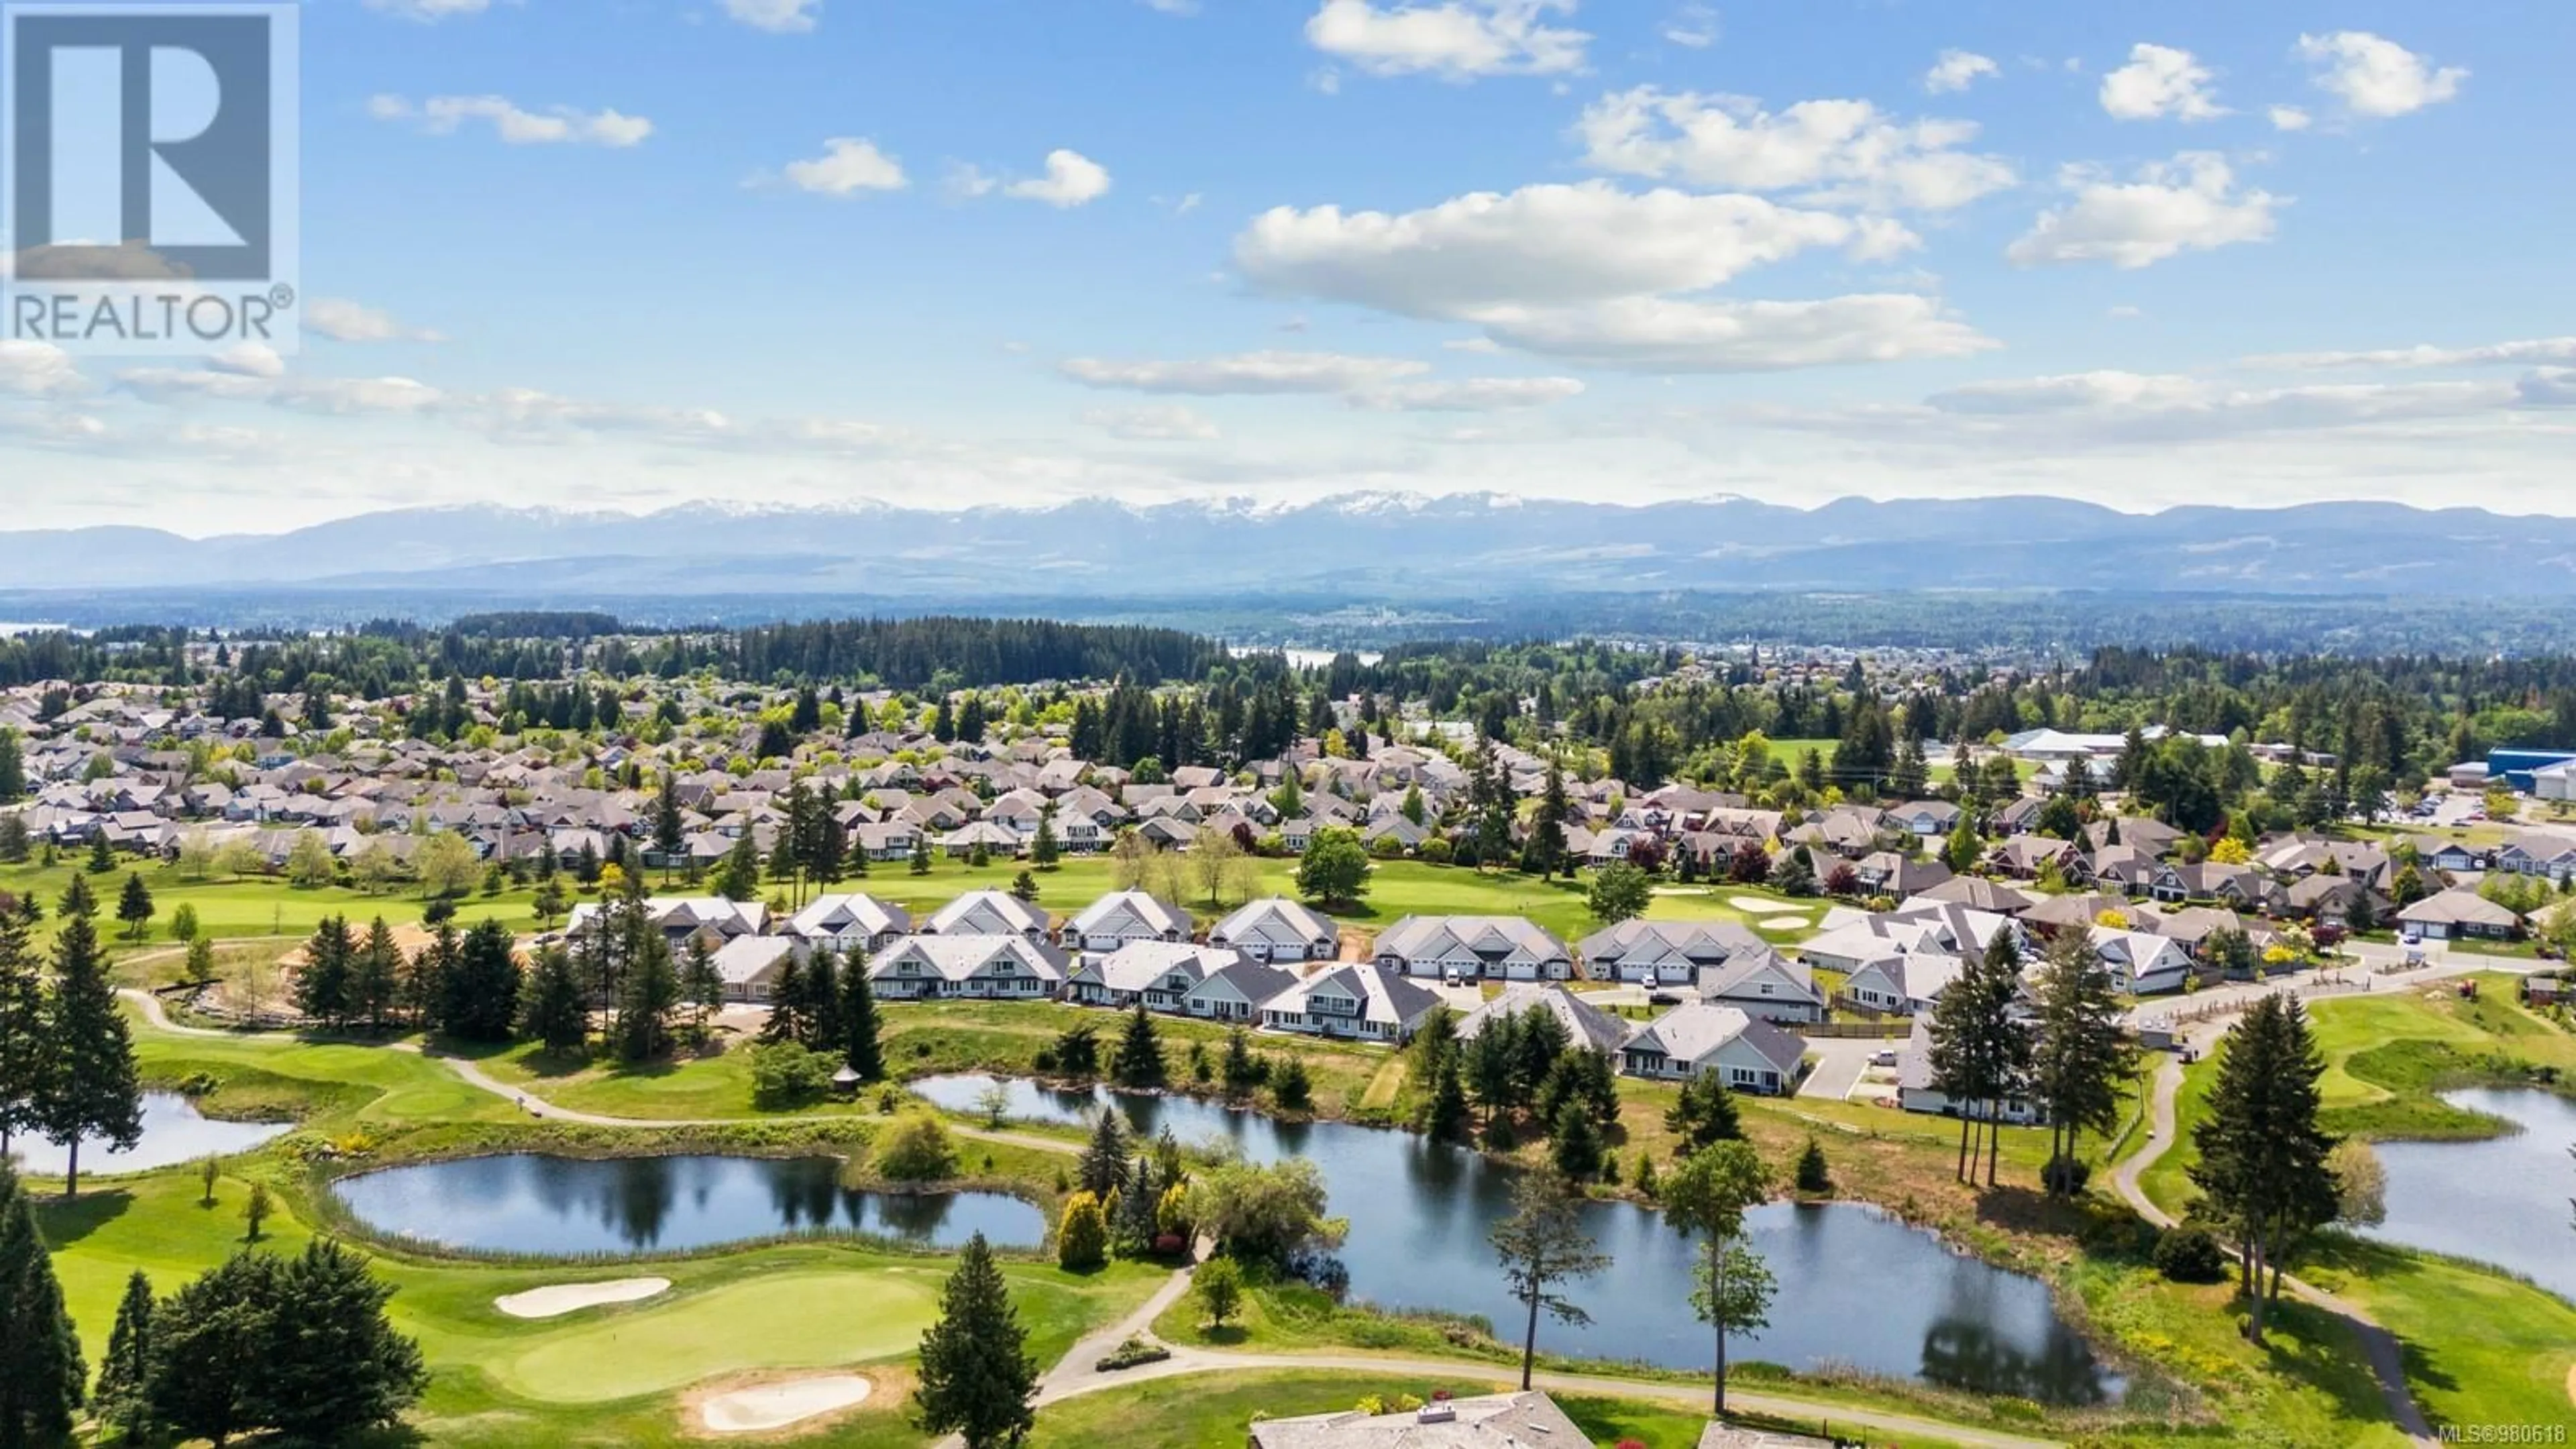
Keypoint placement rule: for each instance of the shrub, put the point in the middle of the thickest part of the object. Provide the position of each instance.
(1129, 1354)
(785, 1075)
(2066, 1176)
(1812, 1173)
(916, 1148)
(1219, 1287)
(2189, 1254)
(1082, 1236)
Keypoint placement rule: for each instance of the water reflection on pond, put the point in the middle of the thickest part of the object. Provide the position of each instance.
(2502, 1201)
(1856, 1287)
(533, 1203)
(174, 1131)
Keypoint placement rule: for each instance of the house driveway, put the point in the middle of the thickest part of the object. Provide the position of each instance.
(1839, 1062)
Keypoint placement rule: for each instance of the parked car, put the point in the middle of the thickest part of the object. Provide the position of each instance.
(1885, 1058)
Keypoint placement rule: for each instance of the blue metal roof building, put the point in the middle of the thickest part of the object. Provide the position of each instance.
(2512, 768)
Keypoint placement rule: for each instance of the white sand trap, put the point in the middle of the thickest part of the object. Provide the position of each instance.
(562, 1298)
(1756, 906)
(775, 1406)
(1790, 922)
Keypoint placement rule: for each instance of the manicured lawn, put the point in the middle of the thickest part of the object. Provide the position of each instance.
(599, 1376)
(779, 1320)
(254, 906)
(2480, 1348)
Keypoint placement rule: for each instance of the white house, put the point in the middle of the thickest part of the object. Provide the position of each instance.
(848, 923)
(1915, 1092)
(1122, 918)
(1012, 968)
(1696, 1038)
(1158, 973)
(2142, 963)
(1765, 986)
(1669, 951)
(988, 913)
(1277, 929)
(1358, 1000)
(1477, 948)
(750, 965)
(1903, 984)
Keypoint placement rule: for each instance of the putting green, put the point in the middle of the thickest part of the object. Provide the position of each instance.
(792, 1320)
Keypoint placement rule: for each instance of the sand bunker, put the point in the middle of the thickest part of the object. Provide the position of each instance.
(1756, 906)
(1790, 922)
(775, 1406)
(562, 1298)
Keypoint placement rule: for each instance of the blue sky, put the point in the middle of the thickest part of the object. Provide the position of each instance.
(762, 252)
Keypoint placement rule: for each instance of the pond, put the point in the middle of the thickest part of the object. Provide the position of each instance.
(2502, 1201)
(561, 1206)
(174, 1131)
(1856, 1287)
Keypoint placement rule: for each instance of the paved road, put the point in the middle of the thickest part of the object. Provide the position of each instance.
(1839, 1062)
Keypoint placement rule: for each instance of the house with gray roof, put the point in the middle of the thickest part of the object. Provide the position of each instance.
(1474, 948)
(1276, 928)
(1695, 1038)
(1765, 986)
(1122, 918)
(1633, 949)
(987, 967)
(987, 913)
(1584, 1023)
(1358, 1000)
(1526, 1420)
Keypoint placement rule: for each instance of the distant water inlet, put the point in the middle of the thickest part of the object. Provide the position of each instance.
(565, 1206)
(1856, 1286)
(174, 1131)
(2502, 1201)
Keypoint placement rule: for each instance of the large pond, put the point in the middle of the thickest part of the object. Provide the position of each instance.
(174, 1131)
(2502, 1201)
(559, 1206)
(1855, 1287)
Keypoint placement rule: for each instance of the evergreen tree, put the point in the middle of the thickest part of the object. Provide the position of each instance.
(210, 1346)
(667, 828)
(1138, 1061)
(335, 1365)
(134, 906)
(822, 1002)
(91, 1088)
(13, 768)
(786, 1005)
(1445, 1112)
(1103, 1167)
(652, 993)
(375, 976)
(480, 994)
(102, 859)
(1574, 1144)
(122, 1399)
(1044, 849)
(1543, 1244)
(2080, 1054)
(921, 852)
(739, 877)
(700, 982)
(554, 1012)
(1703, 1113)
(322, 982)
(26, 1047)
(977, 1379)
(2263, 1166)
(1240, 1071)
(1981, 1050)
(41, 1372)
(859, 1027)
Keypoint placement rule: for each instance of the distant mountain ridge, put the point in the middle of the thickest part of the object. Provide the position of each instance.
(1377, 545)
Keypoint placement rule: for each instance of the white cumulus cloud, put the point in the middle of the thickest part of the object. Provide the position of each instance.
(2374, 76)
(1673, 334)
(848, 165)
(1956, 70)
(2524, 352)
(1835, 151)
(555, 126)
(1455, 40)
(2160, 81)
(36, 369)
(1071, 179)
(2289, 118)
(2191, 203)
